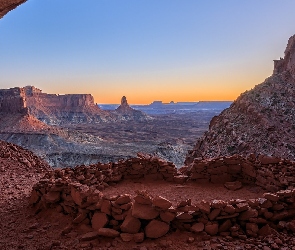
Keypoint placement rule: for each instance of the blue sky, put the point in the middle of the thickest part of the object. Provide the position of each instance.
(145, 49)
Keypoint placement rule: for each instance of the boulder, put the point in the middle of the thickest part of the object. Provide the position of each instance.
(130, 225)
(198, 227)
(161, 203)
(167, 216)
(123, 199)
(156, 229)
(211, 229)
(145, 212)
(99, 220)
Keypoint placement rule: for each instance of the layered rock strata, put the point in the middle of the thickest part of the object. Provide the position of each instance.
(56, 109)
(261, 120)
(79, 192)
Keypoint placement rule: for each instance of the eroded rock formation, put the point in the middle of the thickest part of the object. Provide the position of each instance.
(261, 120)
(125, 112)
(56, 109)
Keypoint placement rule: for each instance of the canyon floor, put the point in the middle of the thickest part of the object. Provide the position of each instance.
(168, 136)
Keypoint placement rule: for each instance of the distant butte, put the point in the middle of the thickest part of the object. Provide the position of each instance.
(125, 112)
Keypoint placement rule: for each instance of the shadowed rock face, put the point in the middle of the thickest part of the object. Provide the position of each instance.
(261, 120)
(8, 5)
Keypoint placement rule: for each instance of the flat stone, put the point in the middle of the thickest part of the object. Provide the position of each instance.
(99, 220)
(225, 226)
(271, 197)
(227, 216)
(156, 229)
(167, 216)
(138, 238)
(252, 227)
(211, 229)
(250, 213)
(143, 200)
(108, 232)
(204, 207)
(229, 209)
(126, 237)
(130, 225)
(145, 212)
(161, 203)
(123, 199)
(106, 207)
(184, 216)
(214, 213)
(198, 227)
(89, 236)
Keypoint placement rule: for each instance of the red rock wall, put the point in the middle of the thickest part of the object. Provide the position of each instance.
(271, 173)
(36, 98)
(12, 100)
(79, 192)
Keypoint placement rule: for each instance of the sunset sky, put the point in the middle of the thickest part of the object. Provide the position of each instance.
(180, 50)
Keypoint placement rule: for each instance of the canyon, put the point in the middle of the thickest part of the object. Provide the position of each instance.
(236, 190)
(70, 130)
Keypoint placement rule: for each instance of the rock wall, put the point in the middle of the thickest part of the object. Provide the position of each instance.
(13, 101)
(35, 97)
(79, 192)
(270, 173)
(51, 108)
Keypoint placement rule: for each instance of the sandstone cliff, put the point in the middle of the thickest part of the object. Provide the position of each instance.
(8, 5)
(56, 109)
(261, 120)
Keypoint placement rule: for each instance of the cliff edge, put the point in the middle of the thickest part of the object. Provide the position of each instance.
(261, 120)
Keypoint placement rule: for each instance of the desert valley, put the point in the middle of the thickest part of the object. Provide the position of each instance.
(75, 174)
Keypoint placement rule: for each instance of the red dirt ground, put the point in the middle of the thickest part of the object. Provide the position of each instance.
(21, 228)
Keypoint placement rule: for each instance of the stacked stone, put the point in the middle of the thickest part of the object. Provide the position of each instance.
(148, 167)
(271, 173)
(143, 216)
(101, 175)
